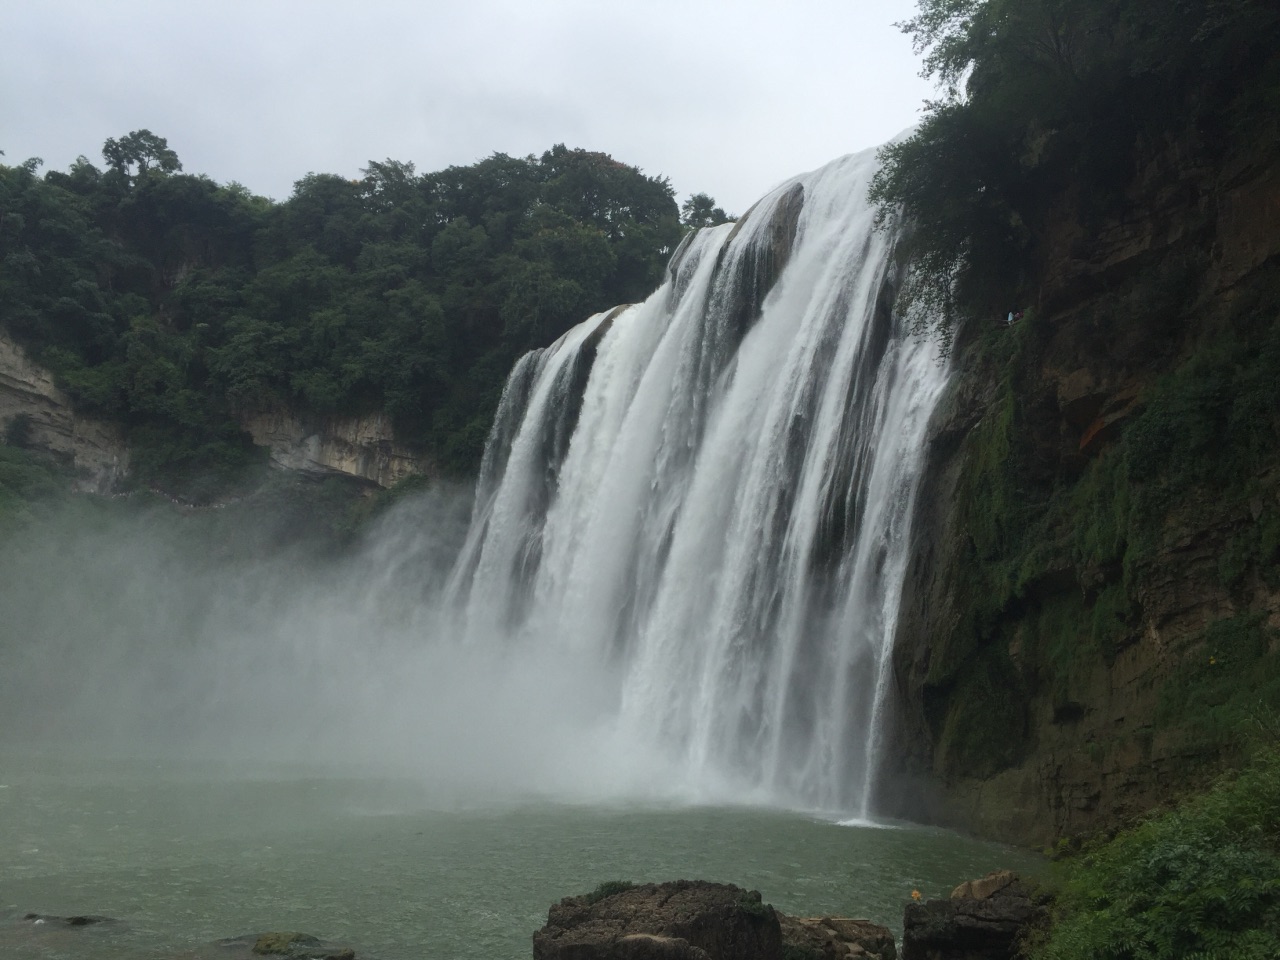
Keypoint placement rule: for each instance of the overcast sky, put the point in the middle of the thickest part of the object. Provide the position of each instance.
(726, 98)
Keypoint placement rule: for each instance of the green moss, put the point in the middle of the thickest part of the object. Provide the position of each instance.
(984, 729)
(1055, 564)
(1225, 677)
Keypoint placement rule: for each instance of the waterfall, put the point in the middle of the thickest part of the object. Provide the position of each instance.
(711, 492)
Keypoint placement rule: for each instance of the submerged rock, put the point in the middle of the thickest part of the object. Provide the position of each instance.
(680, 920)
(984, 919)
(835, 938)
(291, 945)
(80, 920)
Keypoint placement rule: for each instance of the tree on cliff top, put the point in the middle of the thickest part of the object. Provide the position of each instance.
(139, 152)
(700, 210)
(1036, 95)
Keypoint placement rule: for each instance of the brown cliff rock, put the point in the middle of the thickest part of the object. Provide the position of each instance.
(94, 448)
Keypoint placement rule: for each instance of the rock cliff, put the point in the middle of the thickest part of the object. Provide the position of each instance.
(363, 447)
(31, 403)
(1095, 583)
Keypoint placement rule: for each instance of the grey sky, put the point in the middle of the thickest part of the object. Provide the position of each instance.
(724, 98)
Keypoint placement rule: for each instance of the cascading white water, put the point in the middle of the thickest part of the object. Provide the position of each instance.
(711, 493)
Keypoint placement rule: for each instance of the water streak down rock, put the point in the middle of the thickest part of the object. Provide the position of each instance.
(709, 495)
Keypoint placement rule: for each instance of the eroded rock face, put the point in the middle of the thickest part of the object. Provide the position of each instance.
(363, 447)
(985, 919)
(681, 920)
(96, 449)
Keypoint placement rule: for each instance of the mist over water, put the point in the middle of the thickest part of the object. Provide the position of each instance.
(677, 578)
(145, 634)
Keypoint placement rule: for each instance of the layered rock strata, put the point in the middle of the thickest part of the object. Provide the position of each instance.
(32, 404)
(363, 447)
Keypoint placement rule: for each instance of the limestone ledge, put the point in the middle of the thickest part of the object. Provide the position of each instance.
(363, 447)
(95, 448)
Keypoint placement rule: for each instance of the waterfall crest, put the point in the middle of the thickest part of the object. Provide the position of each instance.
(710, 493)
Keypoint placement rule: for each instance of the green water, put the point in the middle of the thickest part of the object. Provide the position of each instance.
(185, 856)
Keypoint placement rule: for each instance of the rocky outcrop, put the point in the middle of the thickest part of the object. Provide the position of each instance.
(835, 938)
(986, 919)
(681, 920)
(697, 920)
(31, 403)
(363, 447)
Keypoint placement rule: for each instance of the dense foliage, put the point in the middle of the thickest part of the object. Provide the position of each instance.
(1200, 881)
(173, 303)
(1040, 95)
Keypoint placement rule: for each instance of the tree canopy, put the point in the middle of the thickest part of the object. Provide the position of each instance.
(173, 303)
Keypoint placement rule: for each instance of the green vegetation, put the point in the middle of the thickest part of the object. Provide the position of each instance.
(1057, 562)
(29, 485)
(700, 210)
(171, 303)
(1200, 881)
(1052, 102)
(1217, 692)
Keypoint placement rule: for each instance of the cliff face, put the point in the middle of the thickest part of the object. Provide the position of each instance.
(95, 449)
(363, 447)
(1094, 598)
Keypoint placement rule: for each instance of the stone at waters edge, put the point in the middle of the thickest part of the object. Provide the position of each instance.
(681, 920)
(984, 919)
(698, 920)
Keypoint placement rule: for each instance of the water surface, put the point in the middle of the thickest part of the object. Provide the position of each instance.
(185, 854)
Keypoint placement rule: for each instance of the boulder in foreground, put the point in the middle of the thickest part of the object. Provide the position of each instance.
(680, 920)
(985, 919)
